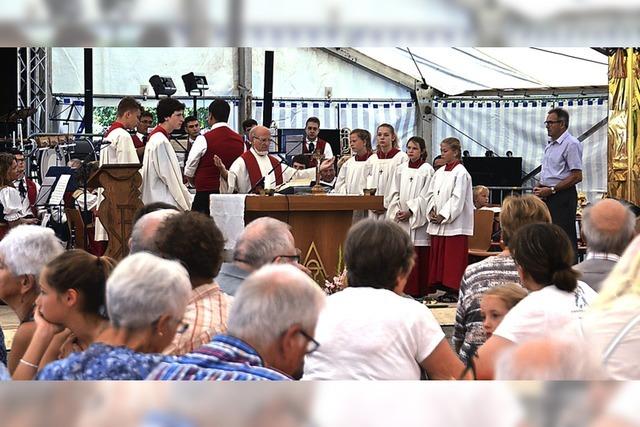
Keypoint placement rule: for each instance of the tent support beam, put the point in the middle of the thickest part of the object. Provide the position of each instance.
(243, 76)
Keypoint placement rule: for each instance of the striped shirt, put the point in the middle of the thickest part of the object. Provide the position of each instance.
(477, 279)
(206, 314)
(226, 358)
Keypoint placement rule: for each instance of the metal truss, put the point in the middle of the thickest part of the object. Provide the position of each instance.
(34, 87)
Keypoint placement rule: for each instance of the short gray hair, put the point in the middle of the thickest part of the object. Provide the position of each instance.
(557, 358)
(28, 248)
(144, 287)
(271, 300)
(608, 242)
(262, 240)
(143, 235)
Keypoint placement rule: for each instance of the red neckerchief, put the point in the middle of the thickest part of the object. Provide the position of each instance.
(156, 130)
(415, 165)
(364, 157)
(389, 155)
(114, 126)
(450, 166)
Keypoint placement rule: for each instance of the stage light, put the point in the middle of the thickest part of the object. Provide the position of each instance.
(509, 153)
(465, 153)
(489, 153)
(195, 83)
(162, 85)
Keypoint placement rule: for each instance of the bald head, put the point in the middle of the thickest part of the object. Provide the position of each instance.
(260, 138)
(547, 359)
(608, 226)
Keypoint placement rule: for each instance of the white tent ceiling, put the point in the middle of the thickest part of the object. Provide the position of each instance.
(454, 71)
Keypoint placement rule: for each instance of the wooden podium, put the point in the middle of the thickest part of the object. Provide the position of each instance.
(121, 184)
(319, 225)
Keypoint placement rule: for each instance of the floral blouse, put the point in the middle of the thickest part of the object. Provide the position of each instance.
(103, 362)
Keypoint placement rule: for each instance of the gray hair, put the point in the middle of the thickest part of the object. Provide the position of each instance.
(606, 241)
(144, 231)
(553, 358)
(271, 300)
(262, 240)
(144, 287)
(28, 248)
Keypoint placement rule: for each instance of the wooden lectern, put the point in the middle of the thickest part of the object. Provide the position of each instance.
(319, 225)
(121, 184)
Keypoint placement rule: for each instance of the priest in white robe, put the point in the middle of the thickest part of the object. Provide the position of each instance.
(247, 172)
(161, 176)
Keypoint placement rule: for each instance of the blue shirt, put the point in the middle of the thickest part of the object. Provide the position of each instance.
(231, 277)
(560, 158)
(102, 362)
(225, 358)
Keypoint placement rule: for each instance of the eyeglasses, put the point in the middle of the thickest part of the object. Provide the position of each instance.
(262, 139)
(181, 329)
(312, 345)
(147, 122)
(550, 122)
(292, 259)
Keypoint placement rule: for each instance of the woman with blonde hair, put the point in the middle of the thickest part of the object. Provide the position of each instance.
(382, 165)
(478, 278)
(612, 323)
(352, 176)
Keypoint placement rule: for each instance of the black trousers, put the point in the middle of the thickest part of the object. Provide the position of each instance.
(201, 201)
(562, 207)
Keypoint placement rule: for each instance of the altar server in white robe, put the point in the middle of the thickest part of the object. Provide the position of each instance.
(408, 207)
(161, 176)
(381, 166)
(246, 173)
(118, 148)
(352, 176)
(450, 211)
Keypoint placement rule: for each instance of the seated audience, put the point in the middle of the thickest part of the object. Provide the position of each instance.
(72, 298)
(544, 256)
(493, 271)
(146, 298)
(496, 303)
(608, 227)
(145, 230)
(193, 239)
(271, 329)
(611, 324)
(23, 254)
(369, 331)
(480, 196)
(263, 241)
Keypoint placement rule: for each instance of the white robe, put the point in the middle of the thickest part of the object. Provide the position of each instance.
(120, 150)
(380, 173)
(352, 177)
(451, 196)
(409, 192)
(161, 176)
(238, 180)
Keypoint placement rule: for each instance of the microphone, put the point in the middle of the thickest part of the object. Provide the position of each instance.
(282, 161)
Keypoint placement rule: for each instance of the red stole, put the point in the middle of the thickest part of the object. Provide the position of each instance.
(253, 168)
(415, 165)
(114, 126)
(450, 166)
(389, 155)
(364, 157)
(32, 193)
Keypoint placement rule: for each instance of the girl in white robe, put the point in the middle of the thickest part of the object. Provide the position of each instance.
(352, 177)
(408, 207)
(450, 213)
(381, 166)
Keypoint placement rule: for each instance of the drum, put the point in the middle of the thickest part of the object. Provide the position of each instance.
(50, 157)
(83, 150)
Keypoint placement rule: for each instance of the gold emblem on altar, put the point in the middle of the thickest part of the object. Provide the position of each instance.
(314, 263)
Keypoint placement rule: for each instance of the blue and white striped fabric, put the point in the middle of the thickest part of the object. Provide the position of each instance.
(337, 115)
(519, 126)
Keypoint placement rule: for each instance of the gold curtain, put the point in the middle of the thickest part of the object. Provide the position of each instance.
(623, 153)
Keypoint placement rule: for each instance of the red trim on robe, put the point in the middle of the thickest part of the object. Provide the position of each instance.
(450, 166)
(364, 157)
(388, 155)
(415, 165)
(156, 130)
(255, 174)
(114, 126)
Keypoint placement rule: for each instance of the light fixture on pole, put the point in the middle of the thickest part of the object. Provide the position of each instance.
(162, 85)
(195, 85)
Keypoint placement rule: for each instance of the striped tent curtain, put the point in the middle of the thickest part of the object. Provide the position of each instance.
(338, 115)
(518, 126)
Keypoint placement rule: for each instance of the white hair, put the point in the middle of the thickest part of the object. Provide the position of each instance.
(28, 248)
(144, 287)
(262, 240)
(144, 231)
(558, 358)
(271, 300)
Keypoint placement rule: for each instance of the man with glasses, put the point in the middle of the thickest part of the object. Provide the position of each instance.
(264, 240)
(142, 132)
(257, 169)
(221, 141)
(270, 330)
(561, 171)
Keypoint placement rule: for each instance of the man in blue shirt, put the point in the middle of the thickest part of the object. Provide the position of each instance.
(561, 171)
(270, 329)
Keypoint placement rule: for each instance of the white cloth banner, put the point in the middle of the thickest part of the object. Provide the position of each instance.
(227, 210)
(518, 126)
